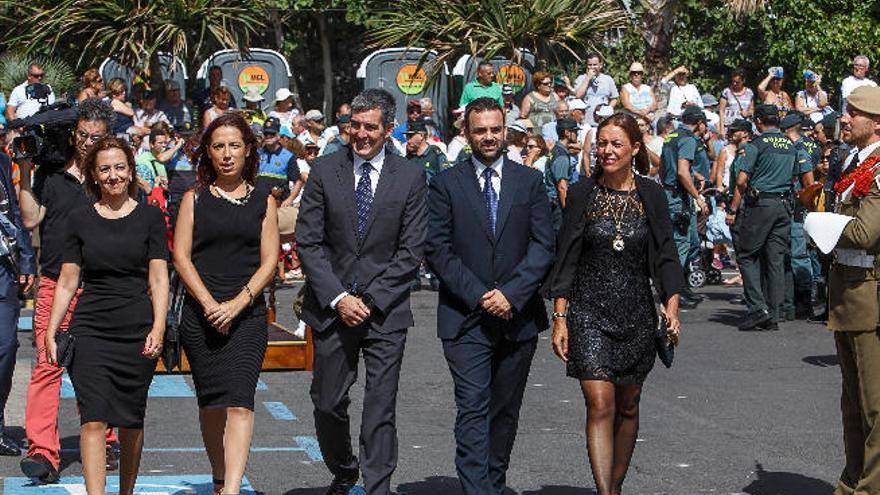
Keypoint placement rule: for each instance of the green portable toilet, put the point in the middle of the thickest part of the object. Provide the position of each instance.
(518, 75)
(260, 68)
(397, 71)
(111, 69)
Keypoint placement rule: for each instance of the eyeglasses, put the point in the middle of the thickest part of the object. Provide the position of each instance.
(90, 137)
(544, 83)
(37, 76)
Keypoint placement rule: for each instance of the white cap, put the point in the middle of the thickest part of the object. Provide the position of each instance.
(282, 94)
(314, 115)
(517, 126)
(576, 104)
(605, 111)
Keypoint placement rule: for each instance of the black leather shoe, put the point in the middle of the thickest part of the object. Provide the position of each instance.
(8, 447)
(342, 484)
(754, 320)
(770, 326)
(687, 303)
(819, 318)
(39, 468)
(738, 300)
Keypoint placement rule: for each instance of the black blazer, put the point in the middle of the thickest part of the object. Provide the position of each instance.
(469, 260)
(665, 269)
(384, 263)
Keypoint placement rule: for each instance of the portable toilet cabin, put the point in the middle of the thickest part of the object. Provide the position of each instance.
(517, 75)
(397, 71)
(111, 69)
(260, 68)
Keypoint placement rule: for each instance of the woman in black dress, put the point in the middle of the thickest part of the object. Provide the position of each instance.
(225, 250)
(120, 249)
(615, 239)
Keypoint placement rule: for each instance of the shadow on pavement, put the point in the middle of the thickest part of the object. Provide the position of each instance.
(560, 490)
(826, 361)
(307, 491)
(732, 317)
(430, 486)
(781, 483)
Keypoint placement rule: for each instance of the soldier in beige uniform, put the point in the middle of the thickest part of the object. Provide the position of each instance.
(854, 234)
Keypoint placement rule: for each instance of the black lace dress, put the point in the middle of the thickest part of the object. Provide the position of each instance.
(611, 307)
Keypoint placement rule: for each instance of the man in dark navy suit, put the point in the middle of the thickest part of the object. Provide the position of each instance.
(490, 241)
(360, 236)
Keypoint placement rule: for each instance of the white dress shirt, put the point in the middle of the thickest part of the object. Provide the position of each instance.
(497, 165)
(376, 169)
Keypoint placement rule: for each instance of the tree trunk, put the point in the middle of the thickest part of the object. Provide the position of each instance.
(278, 31)
(658, 29)
(326, 62)
(157, 83)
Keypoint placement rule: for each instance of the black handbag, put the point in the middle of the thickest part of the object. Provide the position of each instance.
(171, 348)
(664, 344)
(64, 348)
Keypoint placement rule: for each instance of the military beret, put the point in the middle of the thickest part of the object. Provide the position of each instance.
(765, 111)
(791, 120)
(692, 115)
(866, 99)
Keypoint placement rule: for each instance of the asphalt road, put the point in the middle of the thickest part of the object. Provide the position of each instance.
(753, 413)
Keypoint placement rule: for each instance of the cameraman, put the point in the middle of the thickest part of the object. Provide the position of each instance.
(28, 97)
(16, 275)
(46, 201)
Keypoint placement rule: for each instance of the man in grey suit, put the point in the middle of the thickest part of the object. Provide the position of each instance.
(360, 237)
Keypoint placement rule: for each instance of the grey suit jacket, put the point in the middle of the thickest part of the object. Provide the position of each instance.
(384, 263)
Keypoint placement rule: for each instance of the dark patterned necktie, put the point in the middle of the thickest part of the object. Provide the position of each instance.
(491, 197)
(364, 198)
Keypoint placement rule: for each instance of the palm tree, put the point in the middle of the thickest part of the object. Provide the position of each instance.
(552, 29)
(133, 31)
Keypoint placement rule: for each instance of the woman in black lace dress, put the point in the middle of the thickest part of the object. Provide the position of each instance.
(225, 250)
(615, 240)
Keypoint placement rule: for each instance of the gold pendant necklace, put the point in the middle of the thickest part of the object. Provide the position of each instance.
(618, 244)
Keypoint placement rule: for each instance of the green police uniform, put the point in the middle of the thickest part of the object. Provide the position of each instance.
(799, 268)
(681, 144)
(770, 161)
(433, 160)
(558, 168)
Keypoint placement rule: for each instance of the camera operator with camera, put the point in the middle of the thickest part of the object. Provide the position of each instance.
(17, 270)
(48, 195)
(30, 96)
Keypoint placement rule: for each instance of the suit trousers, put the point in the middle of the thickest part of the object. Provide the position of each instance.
(335, 370)
(9, 310)
(490, 374)
(859, 354)
(764, 237)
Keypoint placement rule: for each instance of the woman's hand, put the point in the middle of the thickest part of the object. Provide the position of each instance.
(560, 338)
(224, 314)
(673, 325)
(153, 345)
(51, 349)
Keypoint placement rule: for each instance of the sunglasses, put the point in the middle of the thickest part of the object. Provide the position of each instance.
(544, 83)
(37, 76)
(531, 146)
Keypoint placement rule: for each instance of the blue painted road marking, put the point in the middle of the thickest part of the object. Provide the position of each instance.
(25, 323)
(279, 411)
(162, 386)
(154, 485)
(310, 446)
(261, 385)
(307, 445)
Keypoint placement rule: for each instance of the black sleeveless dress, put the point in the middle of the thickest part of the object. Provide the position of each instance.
(611, 308)
(226, 254)
(110, 374)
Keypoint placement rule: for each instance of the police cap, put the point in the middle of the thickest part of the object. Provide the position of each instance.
(740, 125)
(566, 124)
(416, 126)
(791, 120)
(272, 126)
(692, 115)
(763, 112)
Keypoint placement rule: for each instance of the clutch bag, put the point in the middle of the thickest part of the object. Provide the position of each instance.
(665, 347)
(64, 348)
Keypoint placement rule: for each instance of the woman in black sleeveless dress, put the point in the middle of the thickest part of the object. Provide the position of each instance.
(616, 237)
(120, 248)
(225, 250)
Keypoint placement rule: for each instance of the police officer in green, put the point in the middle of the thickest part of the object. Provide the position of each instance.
(799, 269)
(421, 152)
(764, 182)
(681, 154)
(561, 169)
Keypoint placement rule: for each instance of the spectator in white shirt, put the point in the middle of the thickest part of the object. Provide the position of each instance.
(860, 67)
(681, 94)
(24, 102)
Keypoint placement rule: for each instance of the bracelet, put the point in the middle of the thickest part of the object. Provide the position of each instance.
(249, 293)
(557, 314)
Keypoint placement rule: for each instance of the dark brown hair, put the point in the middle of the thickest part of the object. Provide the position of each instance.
(89, 165)
(631, 128)
(205, 173)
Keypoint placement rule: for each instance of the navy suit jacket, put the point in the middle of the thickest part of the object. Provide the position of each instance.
(384, 263)
(470, 261)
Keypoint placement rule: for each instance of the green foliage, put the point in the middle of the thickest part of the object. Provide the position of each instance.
(132, 31)
(822, 35)
(14, 67)
(555, 30)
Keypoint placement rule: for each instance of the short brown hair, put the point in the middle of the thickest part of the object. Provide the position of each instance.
(221, 91)
(90, 164)
(538, 77)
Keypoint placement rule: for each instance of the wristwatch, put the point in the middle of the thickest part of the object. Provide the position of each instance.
(557, 314)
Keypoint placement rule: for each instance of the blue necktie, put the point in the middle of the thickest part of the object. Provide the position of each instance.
(364, 198)
(491, 197)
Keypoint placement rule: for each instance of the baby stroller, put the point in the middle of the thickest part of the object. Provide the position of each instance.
(700, 270)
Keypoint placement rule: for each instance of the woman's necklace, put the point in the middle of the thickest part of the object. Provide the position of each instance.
(236, 201)
(618, 244)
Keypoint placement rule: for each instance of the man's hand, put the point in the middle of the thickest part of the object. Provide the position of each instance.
(703, 206)
(352, 310)
(494, 303)
(25, 282)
